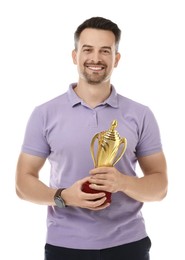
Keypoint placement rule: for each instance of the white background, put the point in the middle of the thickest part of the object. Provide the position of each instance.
(36, 40)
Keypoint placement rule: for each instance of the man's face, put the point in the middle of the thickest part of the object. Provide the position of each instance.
(96, 55)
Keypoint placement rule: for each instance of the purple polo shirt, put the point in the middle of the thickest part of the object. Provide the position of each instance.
(61, 130)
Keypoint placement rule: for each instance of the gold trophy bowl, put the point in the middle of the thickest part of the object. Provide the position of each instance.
(110, 149)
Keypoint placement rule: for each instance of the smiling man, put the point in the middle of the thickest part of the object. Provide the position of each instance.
(96, 56)
(82, 225)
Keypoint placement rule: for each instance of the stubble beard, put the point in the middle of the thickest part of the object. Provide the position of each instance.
(94, 78)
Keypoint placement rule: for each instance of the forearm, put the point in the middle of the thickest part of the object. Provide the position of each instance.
(32, 189)
(152, 187)
(28, 185)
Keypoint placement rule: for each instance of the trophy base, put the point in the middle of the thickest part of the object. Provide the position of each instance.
(87, 189)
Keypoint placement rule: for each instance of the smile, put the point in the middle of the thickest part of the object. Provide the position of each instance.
(95, 68)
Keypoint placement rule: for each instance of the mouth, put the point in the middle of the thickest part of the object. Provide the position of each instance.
(95, 68)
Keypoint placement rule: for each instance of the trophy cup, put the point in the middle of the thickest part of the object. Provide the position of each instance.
(109, 152)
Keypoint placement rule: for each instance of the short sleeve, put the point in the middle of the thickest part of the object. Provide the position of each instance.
(35, 142)
(149, 135)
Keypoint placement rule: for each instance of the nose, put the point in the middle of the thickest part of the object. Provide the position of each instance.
(96, 57)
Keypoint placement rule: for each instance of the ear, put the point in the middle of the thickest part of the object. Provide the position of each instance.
(74, 56)
(118, 56)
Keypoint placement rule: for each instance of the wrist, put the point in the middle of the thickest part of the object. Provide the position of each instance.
(58, 198)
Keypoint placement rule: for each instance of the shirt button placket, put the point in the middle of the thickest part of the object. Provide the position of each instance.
(94, 118)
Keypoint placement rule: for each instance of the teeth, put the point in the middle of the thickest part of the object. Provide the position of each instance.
(95, 68)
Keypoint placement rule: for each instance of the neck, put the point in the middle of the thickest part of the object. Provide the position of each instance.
(93, 95)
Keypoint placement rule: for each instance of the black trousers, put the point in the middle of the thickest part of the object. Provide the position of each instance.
(138, 250)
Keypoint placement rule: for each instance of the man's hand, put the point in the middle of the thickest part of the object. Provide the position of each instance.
(106, 178)
(74, 196)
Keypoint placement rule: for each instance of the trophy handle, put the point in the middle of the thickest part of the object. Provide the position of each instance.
(92, 149)
(123, 141)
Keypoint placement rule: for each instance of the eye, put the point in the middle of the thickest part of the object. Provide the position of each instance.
(105, 51)
(87, 50)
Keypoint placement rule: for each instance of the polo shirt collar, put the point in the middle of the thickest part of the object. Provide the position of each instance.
(112, 100)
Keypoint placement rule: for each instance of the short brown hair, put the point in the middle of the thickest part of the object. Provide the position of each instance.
(98, 23)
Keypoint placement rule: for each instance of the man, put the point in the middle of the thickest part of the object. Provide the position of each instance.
(82, 225)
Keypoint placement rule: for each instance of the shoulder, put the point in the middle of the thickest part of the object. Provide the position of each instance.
(61, 99)
(54, 105)
(132, 106)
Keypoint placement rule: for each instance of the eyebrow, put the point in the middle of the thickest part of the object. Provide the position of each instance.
(89, 46)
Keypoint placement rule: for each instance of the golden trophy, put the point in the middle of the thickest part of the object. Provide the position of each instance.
(109, 152)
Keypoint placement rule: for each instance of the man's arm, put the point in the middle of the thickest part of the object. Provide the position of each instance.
(28, 185)
(30, 188)
(151, 187)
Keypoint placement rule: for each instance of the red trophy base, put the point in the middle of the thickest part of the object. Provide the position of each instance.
(87, 189)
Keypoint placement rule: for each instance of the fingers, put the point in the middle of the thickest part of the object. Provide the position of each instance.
(95, 203)
(93, 200)
(93, 196)
(75, 196)
(106, 179)
(103, 206)
(100, 182)
(98, 186)
(99, 170)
